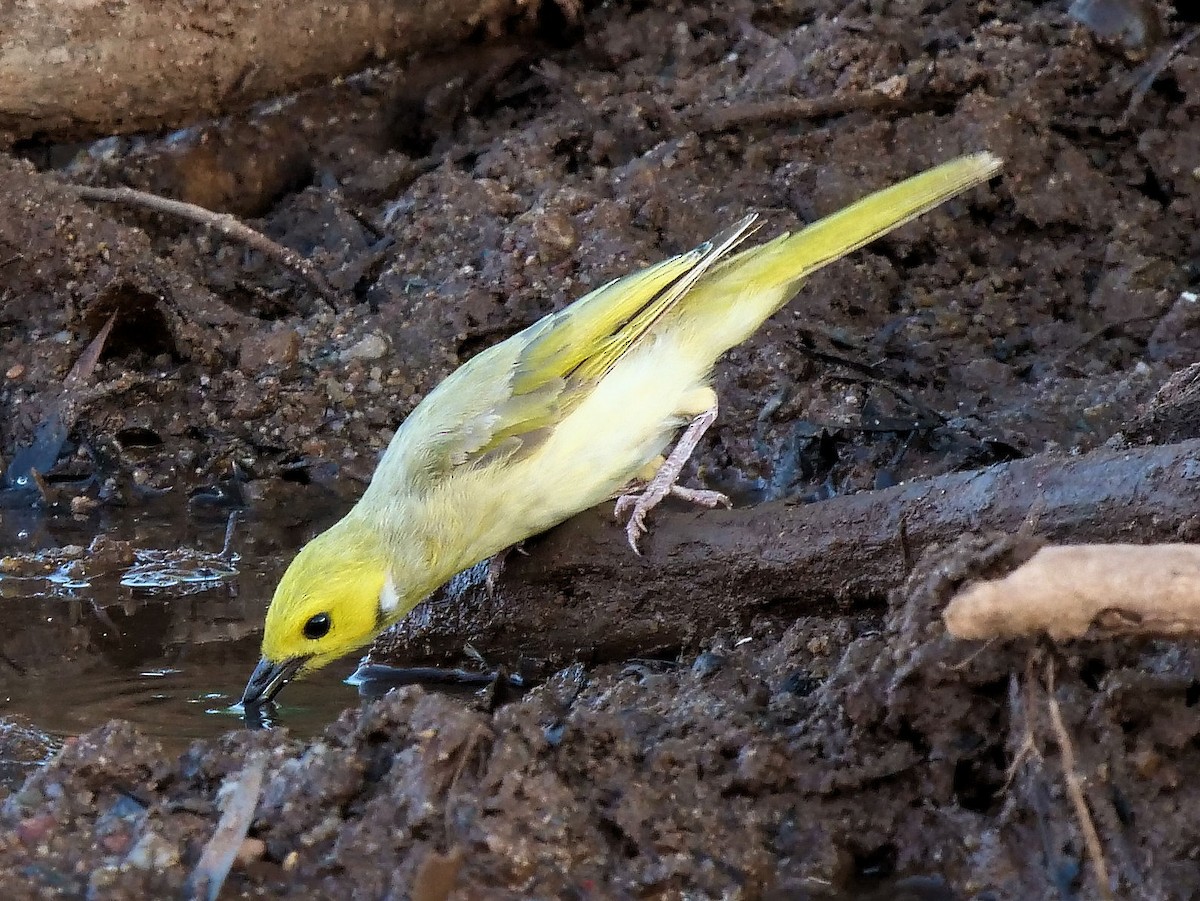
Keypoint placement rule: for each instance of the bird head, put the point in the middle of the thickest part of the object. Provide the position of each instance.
(336, 596)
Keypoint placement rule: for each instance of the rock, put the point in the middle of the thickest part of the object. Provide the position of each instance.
(369, 347)
(251, 849)
(266, 349)
(707, 663)
(83, 504)
(152, 852)
(35, 829)
(116, 842)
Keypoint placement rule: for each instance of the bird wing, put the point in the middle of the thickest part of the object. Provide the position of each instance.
(506, 401)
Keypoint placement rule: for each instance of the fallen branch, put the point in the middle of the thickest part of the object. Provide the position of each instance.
(1066, 591)
(228, 225)
(74, 71)
(581, 593)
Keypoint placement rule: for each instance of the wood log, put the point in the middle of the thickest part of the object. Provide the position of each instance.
(582, 594)
(87, 68)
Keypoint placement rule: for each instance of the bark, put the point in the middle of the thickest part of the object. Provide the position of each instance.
(86, 68)
(581, 593)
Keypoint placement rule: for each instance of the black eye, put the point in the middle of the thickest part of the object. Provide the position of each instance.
(317, 626)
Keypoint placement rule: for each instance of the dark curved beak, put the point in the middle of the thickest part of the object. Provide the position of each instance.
(267, 680)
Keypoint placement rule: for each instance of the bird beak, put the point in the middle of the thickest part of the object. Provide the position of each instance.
(268, 678)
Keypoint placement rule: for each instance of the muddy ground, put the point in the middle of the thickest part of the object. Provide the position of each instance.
(858, 753)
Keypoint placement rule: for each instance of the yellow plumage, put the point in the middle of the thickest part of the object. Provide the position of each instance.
(554, 420)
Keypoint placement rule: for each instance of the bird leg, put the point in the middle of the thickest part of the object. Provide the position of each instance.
(495, 566)
(637, 504)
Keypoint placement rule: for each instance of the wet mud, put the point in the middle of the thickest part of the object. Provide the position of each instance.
(844, 748)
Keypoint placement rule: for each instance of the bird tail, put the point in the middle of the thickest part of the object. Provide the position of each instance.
(745, 290)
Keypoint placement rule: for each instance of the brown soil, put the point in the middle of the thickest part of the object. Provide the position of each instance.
(856, 754)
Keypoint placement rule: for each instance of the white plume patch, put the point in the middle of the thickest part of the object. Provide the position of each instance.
(389, 598)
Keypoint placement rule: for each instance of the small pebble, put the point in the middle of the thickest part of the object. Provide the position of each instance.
(15, 371)
(257, 352)
(252, 849)
(800, 683)
(101, 880)
(152, 852)
(370, 347)
(707, 664)
(893, 87)
(83, 504)
(116, 843)
(33, 831)
(335, 391)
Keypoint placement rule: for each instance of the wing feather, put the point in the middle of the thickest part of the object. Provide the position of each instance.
(506, 401)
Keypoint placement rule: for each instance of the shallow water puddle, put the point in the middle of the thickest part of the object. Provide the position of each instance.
(142, 618)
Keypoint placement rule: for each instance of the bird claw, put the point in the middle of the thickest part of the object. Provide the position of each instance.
(637, 505)
(702, 496)
(636, 527)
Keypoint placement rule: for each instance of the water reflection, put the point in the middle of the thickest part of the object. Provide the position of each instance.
(157, 621)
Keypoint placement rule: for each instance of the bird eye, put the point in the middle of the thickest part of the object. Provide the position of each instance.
(317, 626)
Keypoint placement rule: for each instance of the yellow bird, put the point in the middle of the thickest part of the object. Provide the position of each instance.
(560, 417)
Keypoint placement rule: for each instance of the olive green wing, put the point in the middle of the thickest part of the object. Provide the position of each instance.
(503, 403)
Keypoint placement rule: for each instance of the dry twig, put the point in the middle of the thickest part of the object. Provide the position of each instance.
(1149, 72)
(1087, 825)
(1064, 591)
(41, 454)
(1021, 704)
(228, 225)
(241, 800)
(789, 109)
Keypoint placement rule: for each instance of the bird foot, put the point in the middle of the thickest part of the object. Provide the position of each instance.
(701, 496)
(495, 567)
(636, 504)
